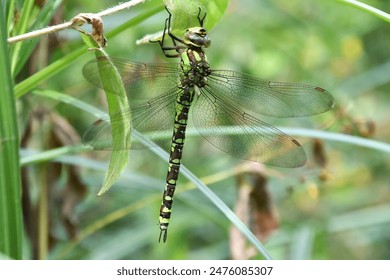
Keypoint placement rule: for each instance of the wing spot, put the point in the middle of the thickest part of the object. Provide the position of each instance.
(296, 142)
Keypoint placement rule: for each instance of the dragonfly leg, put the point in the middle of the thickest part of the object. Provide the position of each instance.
(172, 48)
(175, 39)
(168, 28)
(161, 41)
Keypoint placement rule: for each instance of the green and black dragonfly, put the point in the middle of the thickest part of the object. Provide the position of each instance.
(220, 101)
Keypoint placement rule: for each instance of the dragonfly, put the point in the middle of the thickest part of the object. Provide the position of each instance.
(222, 104)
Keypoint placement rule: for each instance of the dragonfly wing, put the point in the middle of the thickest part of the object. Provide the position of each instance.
(141, 80)
(154, 118)
(268, 98)
(235, 132)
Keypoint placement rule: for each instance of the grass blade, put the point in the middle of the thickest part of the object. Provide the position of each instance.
(164, 155)
(211, 196)
(42, 19)
(367, 8)
(21, 27)
(10, 188)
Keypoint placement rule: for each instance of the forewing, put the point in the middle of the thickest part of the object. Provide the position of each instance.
(269, 98)
(153, 118)
(235, 132)
(141, 80)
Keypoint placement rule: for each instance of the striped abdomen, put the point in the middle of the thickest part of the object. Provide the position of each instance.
(183, 103)
(194, 76)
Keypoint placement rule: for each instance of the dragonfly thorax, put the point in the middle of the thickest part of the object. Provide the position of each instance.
(195, 68)
(197, 36)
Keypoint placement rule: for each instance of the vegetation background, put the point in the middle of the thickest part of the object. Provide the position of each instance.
(336, 207)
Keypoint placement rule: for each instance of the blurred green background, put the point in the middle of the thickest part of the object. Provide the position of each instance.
(336, 207)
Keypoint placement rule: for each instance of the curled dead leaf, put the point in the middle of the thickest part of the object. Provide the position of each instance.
(97, 26)
(255, 208)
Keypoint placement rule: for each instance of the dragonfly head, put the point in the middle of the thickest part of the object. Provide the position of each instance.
(197, 36)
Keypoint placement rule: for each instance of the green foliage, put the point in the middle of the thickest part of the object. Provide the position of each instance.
(20, 52)
(185, 12)
(336, 211)
(10, 189)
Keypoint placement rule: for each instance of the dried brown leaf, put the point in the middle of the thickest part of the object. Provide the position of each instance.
(254, 207)
(46, 130)
(319, 153)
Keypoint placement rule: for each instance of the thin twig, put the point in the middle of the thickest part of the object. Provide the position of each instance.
(74, 22)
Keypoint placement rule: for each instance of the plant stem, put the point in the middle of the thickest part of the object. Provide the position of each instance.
(74, 22)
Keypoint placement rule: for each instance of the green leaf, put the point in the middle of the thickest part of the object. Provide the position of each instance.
(185, 15)
(185, 12)
(10, 188)
(117, 101)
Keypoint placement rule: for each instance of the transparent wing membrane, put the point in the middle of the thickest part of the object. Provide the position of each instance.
(243, 136)
(276, 99)
(219, 112)
(153, 118)
(141, 80)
